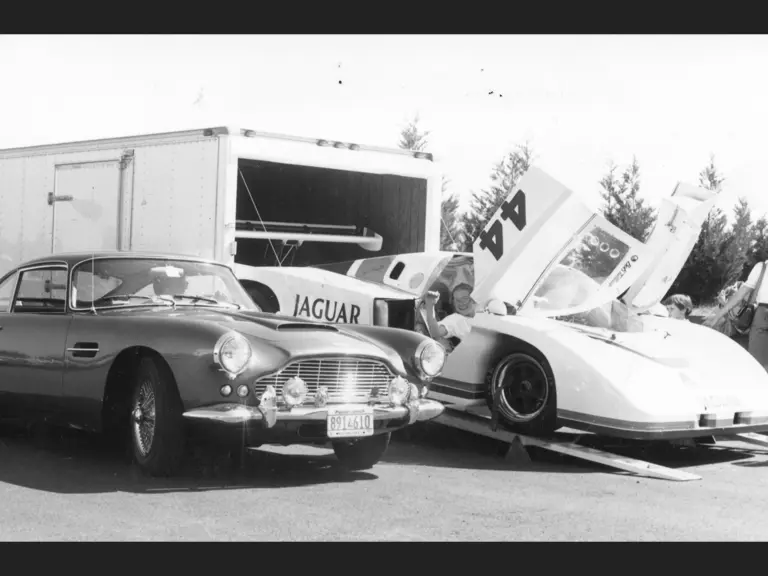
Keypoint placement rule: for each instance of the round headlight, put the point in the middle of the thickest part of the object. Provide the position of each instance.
(430, 358)
(233, 352)
(294, 391)
(399, 389)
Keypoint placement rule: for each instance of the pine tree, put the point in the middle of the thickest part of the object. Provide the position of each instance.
(622, 205)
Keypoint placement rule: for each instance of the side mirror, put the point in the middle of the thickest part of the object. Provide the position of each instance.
(496, 307)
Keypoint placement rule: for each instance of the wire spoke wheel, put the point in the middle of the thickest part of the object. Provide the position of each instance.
(143, 417)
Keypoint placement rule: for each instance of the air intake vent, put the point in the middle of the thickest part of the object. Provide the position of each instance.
(307, 327)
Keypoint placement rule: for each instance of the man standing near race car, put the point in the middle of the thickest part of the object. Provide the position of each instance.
(753, 291)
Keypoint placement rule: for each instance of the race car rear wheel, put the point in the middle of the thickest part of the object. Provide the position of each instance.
(361, 454)
(527, 397)
(157, 431)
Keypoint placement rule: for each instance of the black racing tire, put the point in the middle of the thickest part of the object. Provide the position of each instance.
(361, 454)
(157, 432)
(528, 401)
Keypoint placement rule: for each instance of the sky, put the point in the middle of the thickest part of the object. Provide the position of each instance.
(581, 101)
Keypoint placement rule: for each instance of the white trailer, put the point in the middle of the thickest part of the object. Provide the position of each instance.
(232, 195)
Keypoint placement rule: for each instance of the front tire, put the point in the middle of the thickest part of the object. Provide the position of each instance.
(362, 454)
(157, 433)
(527, 394)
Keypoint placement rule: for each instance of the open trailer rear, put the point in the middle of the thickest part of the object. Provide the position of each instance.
(235, 196)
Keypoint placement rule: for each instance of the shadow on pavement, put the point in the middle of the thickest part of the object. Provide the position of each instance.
(69, 462)
(431, 444)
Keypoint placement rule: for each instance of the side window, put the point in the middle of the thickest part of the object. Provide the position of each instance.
(6, 292)
(41, 291)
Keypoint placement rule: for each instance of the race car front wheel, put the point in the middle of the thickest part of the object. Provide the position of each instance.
(156, 422)
(523, 385)
(361, 454)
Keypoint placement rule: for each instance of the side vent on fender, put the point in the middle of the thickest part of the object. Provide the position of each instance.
(84, 350)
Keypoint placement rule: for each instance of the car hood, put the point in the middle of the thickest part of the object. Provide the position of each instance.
(295, 336)
(705, 359)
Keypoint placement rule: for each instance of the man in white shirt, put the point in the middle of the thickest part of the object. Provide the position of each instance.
(758, 332)
(453, 328)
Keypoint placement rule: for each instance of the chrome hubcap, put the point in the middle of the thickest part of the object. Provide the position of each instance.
(143, 416)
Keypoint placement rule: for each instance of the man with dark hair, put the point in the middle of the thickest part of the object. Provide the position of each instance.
(679, 306)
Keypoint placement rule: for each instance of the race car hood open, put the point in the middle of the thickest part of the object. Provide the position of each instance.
(548, 253)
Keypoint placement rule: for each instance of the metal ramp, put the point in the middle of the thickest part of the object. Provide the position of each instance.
(481, 424)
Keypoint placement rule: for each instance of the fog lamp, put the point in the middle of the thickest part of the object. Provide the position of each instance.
(242, 391)
(294, 391)
(226, 390)
(399, 388)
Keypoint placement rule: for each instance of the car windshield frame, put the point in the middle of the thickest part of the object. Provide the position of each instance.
(599, 293)
(240, 299)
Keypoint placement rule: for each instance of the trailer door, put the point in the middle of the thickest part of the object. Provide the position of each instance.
(86, 201)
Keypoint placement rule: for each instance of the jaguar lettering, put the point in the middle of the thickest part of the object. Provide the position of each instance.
(326, 310)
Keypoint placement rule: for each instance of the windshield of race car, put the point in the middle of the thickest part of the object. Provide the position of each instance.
(104, 282)
(578, 279)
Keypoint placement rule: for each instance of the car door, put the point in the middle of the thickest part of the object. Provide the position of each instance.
(32, 339)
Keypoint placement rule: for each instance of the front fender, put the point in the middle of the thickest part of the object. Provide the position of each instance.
(403, 342)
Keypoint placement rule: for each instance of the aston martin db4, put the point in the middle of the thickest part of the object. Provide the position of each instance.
(147, 345)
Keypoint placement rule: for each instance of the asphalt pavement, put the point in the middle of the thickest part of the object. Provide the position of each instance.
(434, 484)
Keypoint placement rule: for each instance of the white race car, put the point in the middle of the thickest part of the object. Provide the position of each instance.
(563, 335)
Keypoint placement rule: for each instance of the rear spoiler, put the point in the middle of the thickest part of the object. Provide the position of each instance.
(298, 232)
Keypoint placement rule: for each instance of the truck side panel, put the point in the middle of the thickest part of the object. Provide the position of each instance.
(175, 197)
(25, 218)
(164, 193)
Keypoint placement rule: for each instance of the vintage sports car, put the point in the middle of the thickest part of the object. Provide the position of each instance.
(564, 332)
(148, 344)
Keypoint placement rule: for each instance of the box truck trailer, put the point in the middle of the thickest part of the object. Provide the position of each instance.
(240, 197)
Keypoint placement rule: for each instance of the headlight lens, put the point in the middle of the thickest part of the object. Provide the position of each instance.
(294, 391)
(233, 353)
(399, 389)
(430, 358)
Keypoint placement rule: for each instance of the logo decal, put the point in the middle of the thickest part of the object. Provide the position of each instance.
(327, 310)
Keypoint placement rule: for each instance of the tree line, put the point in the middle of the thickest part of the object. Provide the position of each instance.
(723, 254)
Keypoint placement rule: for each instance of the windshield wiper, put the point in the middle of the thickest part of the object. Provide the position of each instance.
(198, 298)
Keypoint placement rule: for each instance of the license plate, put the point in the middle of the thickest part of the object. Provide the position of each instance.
(350, 422)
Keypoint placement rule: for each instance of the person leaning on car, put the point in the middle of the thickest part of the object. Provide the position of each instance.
(758, 331)
(456, 326)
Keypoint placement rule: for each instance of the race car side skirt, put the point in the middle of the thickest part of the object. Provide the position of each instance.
(706, 425)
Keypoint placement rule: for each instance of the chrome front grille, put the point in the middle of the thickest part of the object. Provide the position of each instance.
(347, 379)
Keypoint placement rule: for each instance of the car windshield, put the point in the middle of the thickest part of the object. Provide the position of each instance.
(578, 280)
(104, 282)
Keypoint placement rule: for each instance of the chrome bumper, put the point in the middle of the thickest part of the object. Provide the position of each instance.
(232, 413)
